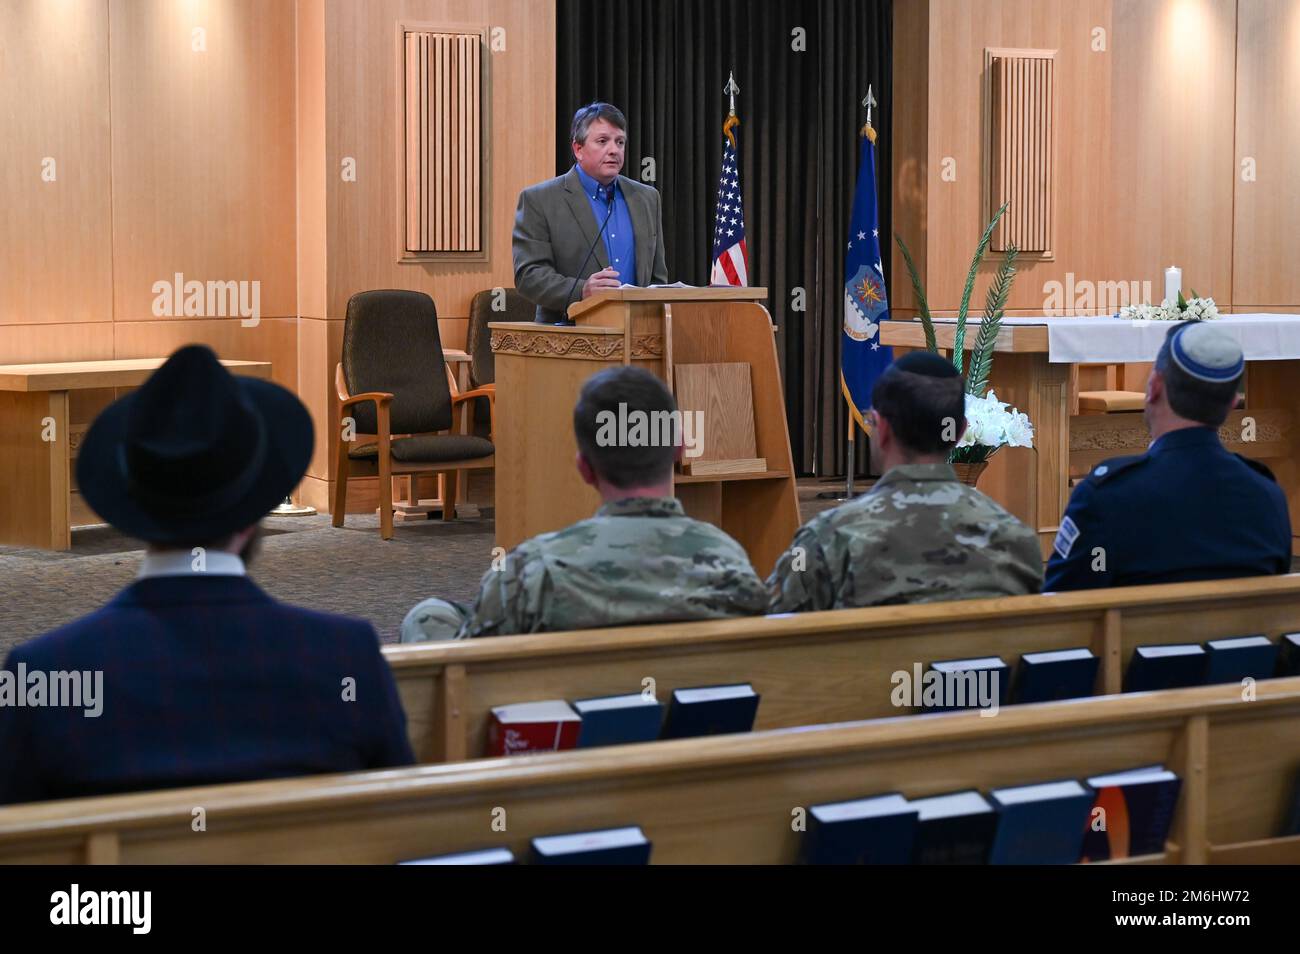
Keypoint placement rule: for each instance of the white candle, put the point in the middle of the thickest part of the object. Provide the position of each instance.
(1173, 283)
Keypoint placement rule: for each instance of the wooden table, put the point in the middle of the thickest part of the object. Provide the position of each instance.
(1034, 484)
(37, 443)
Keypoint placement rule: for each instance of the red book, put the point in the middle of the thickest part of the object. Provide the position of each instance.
(533, 727)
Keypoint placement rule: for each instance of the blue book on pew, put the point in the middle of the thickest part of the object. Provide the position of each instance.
(1232, 660)
(610, 846)
(866, 831)
(1288, 657)
(1060, 674)
(952, 684)
(955, 829)
(618, 720)
(1291, 826)
(488, 856)
(1131, 814)
(1165, 667)
(711, 710)
(1040, 824)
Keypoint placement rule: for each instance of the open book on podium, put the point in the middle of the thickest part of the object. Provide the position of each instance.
(715, 349)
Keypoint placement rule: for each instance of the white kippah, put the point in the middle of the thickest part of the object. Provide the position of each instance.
(1207, 353)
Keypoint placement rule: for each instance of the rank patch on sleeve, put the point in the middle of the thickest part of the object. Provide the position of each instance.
(1065, 538)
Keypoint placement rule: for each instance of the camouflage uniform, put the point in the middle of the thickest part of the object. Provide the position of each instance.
(917, 536)
(639, 560)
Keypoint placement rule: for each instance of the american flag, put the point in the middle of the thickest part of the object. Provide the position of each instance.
(730, 259)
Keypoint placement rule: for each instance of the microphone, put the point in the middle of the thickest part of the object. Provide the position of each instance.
(599, 232)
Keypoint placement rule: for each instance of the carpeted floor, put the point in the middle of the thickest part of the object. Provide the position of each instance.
(303, 560)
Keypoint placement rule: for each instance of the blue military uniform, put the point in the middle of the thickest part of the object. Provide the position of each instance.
(1187, 509)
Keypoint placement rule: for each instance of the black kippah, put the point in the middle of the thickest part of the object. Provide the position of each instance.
(927, 363)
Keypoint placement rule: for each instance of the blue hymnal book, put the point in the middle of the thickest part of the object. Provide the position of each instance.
(1232, 660)
(956, 829)
(711, 710)
(1131, 813)
(965, 684)
(616, 720)
(1040, 824)
(1062, 674)
(612, 846)
(1288, 657)
(1165, 667)
(866, 831)
(488, 856)
(1292, 824)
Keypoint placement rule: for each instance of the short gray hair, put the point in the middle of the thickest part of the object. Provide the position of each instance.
(586, 115)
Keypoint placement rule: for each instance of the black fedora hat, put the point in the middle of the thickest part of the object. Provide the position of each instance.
(195, 454)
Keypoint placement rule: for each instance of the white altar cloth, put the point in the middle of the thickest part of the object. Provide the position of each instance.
(1110, 340)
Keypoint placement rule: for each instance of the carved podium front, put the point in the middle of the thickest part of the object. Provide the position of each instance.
(541, 368)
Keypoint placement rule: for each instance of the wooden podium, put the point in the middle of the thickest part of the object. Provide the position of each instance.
(541, 368)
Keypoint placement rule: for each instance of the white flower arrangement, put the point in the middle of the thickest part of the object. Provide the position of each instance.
(991, 424)
(1184, 309)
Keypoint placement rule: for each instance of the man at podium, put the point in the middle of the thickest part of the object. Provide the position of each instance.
(591, 229)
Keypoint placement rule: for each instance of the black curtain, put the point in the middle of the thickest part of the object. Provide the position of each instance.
(803, 68)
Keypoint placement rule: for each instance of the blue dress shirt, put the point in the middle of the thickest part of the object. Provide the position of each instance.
(620, 240)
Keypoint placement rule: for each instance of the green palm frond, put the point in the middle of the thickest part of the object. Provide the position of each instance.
(959, 341)
(995, 305)
(927, 325)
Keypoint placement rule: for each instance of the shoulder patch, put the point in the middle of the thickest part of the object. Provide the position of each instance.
(1115, 465)
(1258, 466)
(1065, 538)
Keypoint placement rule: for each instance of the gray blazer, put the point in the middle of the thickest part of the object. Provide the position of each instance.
(554, 228)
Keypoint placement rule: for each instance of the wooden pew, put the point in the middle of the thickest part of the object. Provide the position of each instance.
(814, 667)
(722, 799)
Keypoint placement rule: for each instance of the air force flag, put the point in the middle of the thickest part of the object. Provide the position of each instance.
(865, 304)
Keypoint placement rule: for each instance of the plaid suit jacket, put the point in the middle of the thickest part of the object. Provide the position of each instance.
(204, 680)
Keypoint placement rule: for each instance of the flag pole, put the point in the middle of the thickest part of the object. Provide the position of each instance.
(851, 457)
(848, 481)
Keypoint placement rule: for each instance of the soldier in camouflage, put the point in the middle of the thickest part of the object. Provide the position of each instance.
(919, 535)
(640, 559)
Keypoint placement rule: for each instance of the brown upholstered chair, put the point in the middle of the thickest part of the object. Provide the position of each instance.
(478, 339)
(394, 384)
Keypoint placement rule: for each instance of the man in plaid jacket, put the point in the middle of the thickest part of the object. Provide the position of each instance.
(193, 675)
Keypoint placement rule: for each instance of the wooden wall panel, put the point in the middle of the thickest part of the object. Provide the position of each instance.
(1266, 263)
(1143, 160)
(203, 148)
(1170, 143)
(911, 112)
(320, 348)
(312, 174)
(272, 339)
(361, 76)
(36, 343)
(956, 161)
(55, 242)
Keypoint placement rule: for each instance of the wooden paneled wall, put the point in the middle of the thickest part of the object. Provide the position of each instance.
(145, 139)
(1266, 228)
(352, 47)
(1158, 104)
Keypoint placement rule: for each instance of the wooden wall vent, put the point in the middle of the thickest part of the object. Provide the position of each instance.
(442, 153)
(1022, 143)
